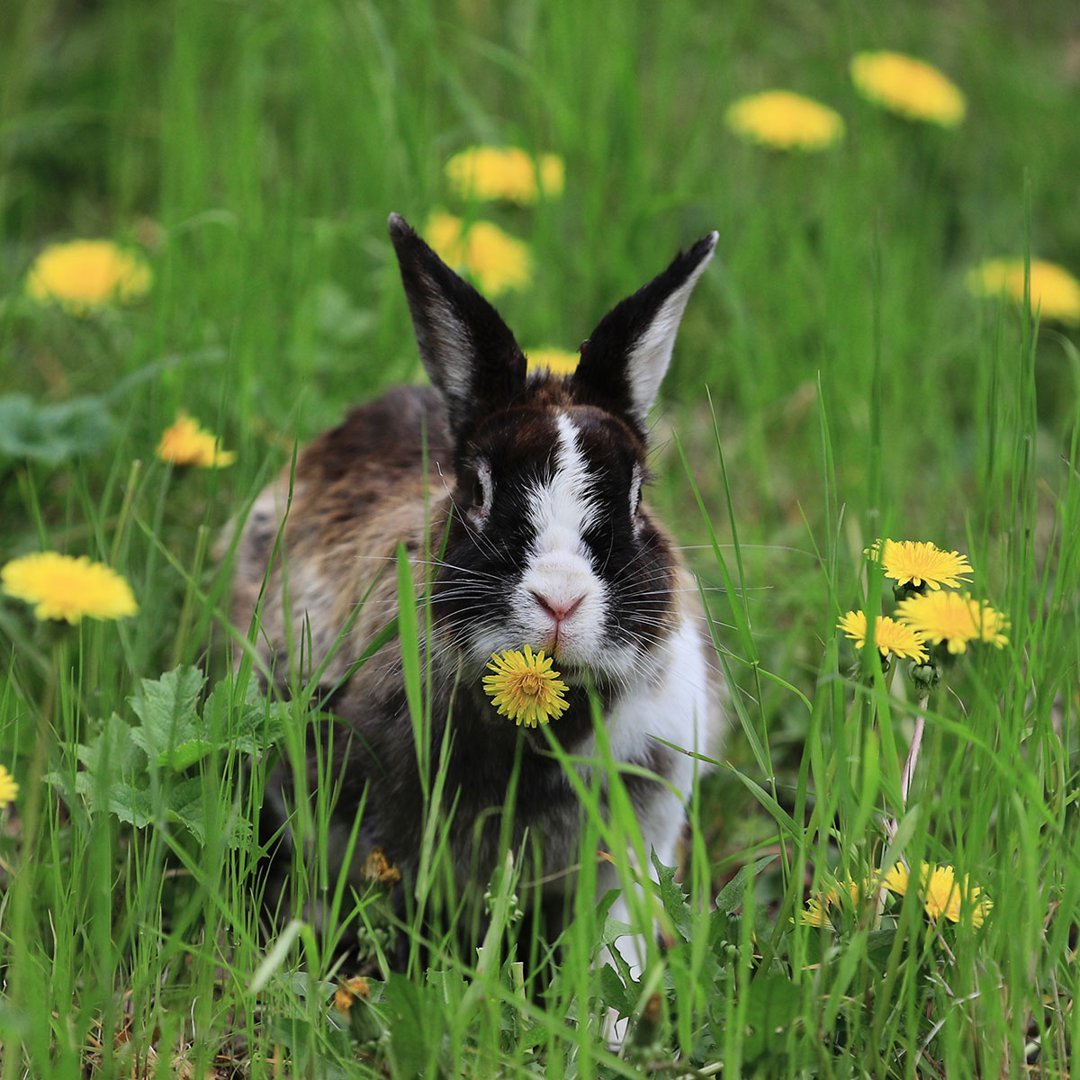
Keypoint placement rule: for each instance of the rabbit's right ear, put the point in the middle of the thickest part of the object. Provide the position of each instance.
(468, 351)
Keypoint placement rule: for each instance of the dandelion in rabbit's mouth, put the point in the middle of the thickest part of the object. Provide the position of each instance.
(525, 687)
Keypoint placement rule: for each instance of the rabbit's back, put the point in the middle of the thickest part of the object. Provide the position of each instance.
(318, 547)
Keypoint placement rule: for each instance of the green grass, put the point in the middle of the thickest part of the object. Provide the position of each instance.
(833, 382)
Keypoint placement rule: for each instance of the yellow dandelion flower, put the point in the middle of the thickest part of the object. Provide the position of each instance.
(954, 619)
(557, 361)
(1055, 293)
(785, 121)
(524, 687)
(494, 172)
(349, 990)
(87, 274)
(68, 588)
(185, 443)
(379, 869)
(908, 87)
(8, 788)
(941, 894)
(897, 879)
(497, 261)
(889, 635)
(818, 907)
(918, 562)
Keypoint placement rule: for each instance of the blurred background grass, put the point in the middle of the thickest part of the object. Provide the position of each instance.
(254, 150)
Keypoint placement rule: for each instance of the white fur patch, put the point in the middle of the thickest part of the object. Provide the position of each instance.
(674, 707)
(559, 568)
(563, 509)
(651, 355)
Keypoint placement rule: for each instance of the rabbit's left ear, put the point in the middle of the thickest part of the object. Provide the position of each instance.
(468, 351)
(627, 355)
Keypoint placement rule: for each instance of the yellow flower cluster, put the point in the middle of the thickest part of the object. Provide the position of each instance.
(85, 275)
(909, 87)
(926, 614)
(915, 90)
(941, 894)
(524, 687)
(495, 260)
(919, 563)
(839, 894)
(889, 635)
(185, 443)
(912, 88)
(782, 120)
(67, 588)
(953, 620)
(506, 173)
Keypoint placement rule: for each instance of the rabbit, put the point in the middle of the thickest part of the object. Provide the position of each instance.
(519, 499)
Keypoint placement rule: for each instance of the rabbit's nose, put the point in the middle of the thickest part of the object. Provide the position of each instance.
(560, 610)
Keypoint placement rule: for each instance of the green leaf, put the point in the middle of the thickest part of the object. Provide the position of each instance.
(416, 1020)
(111, 754)
(879, 945)
(52, 433)
(673, 898)
(171, 733)
(248, 726)
(187, 807)
(731, 895)
(774, 1002)
(613, 992)
(129, 803)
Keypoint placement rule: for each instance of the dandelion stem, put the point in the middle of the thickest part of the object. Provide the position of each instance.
(909, 765)
(913, 752)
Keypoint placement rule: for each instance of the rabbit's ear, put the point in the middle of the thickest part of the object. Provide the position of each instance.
(468, 351)
(626, 357)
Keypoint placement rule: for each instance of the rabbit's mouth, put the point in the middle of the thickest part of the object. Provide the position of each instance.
(595, 668)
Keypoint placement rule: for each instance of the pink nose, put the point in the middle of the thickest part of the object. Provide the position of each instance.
(559, 610)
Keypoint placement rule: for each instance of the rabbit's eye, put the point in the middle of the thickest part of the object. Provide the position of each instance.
(482, 490)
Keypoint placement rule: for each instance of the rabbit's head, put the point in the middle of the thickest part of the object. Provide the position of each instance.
(548, 542)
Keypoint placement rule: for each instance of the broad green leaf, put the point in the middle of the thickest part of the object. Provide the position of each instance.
(52, 433)
(187, 807)
(129, 803)
(111, 754)
(248, 726)
(613, 992)
(171, 732)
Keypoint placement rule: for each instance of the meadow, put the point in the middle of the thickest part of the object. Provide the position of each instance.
(843, 375)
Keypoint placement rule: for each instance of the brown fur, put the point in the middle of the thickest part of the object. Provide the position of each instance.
(358, 491)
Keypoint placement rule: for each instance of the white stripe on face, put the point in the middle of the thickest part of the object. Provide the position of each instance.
(558, 569)
(563, 510)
